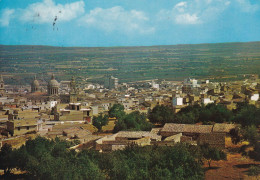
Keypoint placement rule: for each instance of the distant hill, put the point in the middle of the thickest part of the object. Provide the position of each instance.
(222, 61)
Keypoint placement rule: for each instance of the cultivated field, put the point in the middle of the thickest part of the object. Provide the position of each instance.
(225, 61)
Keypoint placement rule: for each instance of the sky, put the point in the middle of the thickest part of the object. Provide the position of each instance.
(99, 23)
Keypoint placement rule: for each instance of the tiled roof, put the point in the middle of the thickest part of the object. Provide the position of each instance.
(187, 128)
(223, 128)
(138, 134)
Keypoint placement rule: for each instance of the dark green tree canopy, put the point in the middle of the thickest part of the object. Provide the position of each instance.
(212, 153)
(161, 114)
(100, 121)
(51, 159)
(135, 121)
(215, 113)
(247, 115)
(7, 158)
(117, 110)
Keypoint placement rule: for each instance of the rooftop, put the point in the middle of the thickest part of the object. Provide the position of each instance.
(187, 128)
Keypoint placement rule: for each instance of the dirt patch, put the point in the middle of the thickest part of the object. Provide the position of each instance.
(235, 167)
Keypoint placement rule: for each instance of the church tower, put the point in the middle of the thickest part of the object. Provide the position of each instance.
(73, 91)
(2, 84)
(53, 86)
(35, 86)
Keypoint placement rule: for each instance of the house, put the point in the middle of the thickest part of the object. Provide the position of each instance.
(213, 139)
(214, 135)
(22, 123)
(123, 138)
(170, 129)
(21, 126)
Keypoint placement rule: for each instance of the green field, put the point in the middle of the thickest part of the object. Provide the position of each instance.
(223, 61)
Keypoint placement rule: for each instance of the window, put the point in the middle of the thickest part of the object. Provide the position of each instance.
(19, 128)
(27, 127)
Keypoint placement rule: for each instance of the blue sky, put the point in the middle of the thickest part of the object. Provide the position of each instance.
(128, 22)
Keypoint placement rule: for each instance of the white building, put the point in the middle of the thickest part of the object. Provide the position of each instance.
(155, 85)
(111, 83)
(207, 101)
(254, 97)
(177, 101)
(53, 103)
(192, 82)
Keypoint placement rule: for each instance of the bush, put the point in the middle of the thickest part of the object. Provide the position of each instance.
(212, 153)
(254, 170)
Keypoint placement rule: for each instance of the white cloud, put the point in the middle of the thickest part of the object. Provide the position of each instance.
(6, 16)
(47, 10)
(187, 19)
(194, 11)
(181, 6)
(246, 6)
(117, 19)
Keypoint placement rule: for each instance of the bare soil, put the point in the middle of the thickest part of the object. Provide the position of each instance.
(235, 167)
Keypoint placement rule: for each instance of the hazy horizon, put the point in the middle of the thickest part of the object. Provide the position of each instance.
(125, 46)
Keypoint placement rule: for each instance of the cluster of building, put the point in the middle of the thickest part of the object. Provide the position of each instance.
(52, 108)
(168, 135)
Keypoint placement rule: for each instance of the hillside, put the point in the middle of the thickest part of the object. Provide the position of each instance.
(223, 61)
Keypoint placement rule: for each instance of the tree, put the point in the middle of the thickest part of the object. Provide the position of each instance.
(188, 115)
(100, 121)
(117, 110)
(153, 163)
(49, 159)
(250, 133)
(6, 158)
(42, 158)
(135, 121)
(235, 134)
(215, 113)
(248, 115)
(161, 114)
(212, 153)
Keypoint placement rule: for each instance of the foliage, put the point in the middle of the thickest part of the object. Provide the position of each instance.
(247, 115)
(250, 133)
(100, 121)
(6, 158)
(51, 159)
(188, 115)
(191, 114)
(154, 163)
(254, 170)
(161, 114)
(235, 135)
(117, 110)
(215, 113)
(212, 153)
(135, 121)
(255, 154)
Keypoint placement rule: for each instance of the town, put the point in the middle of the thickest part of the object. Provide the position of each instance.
(113, 116)
(66, 109)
